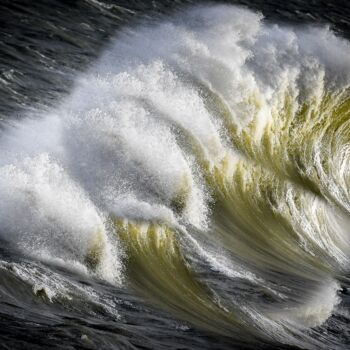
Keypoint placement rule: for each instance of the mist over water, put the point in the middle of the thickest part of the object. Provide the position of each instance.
(200, 167)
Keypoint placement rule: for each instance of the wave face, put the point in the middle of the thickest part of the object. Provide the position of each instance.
(203, 164)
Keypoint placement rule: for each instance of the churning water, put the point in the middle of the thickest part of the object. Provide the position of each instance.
(188, 189)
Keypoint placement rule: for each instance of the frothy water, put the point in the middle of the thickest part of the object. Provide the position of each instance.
(212, 138)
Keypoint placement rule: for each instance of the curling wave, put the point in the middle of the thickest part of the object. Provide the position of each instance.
(209, 142)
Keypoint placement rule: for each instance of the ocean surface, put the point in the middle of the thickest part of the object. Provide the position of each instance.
(174, 174)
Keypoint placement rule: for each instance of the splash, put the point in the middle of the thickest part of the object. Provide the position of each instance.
(211, 142)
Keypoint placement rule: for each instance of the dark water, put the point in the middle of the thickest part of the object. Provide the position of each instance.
(161, 292)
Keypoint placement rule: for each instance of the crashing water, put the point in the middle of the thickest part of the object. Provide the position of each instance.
(201, 163)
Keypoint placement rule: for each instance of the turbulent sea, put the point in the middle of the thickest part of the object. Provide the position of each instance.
(174, 174)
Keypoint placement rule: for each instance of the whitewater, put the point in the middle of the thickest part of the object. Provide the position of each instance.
(201, 163)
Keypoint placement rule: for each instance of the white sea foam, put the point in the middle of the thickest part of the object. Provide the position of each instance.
(317, 309)
(126, 141)
(57, 288)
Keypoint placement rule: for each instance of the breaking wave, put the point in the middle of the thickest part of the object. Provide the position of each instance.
(210, 141)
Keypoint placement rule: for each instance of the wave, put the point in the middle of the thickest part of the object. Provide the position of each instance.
(210, 144)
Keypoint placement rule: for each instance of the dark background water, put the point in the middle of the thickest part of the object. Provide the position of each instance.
(44, 42)
(43, 45)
